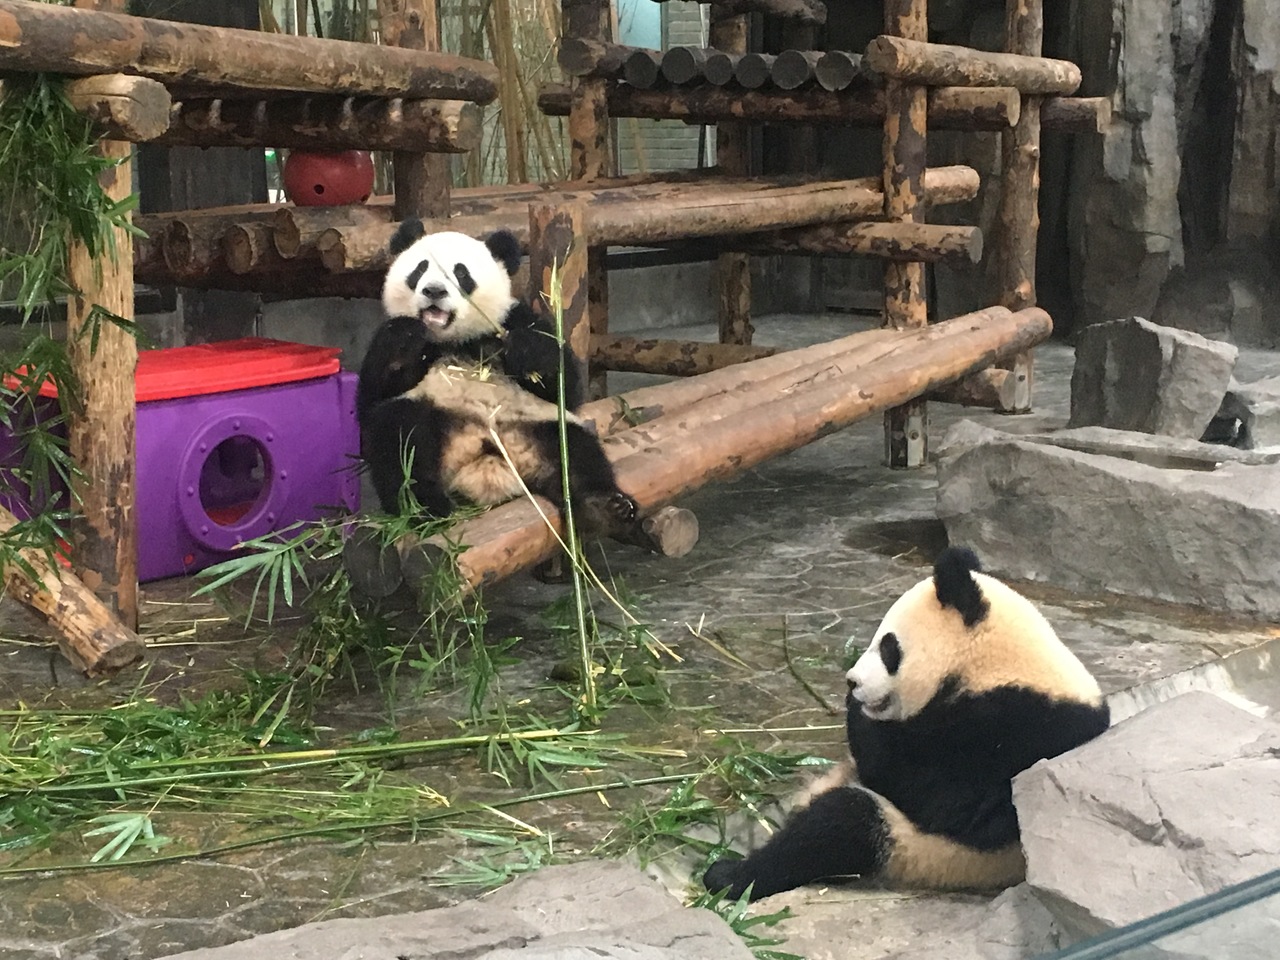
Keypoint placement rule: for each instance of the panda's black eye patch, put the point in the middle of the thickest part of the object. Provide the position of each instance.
(890, 652)
(411, 281)
(466, 282)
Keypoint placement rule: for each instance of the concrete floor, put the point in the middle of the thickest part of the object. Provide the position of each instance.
(811, 547)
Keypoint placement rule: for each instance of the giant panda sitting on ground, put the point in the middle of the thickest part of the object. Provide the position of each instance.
(964, 686)
(460, 359)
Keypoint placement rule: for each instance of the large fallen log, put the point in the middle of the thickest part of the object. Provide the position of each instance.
(88, 634)
(327, 123)
(858, 105)
(701, 211)
(943, 65)
(47, 38)
(132, 109)
(718, 437)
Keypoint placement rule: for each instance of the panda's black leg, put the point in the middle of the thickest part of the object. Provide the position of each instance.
(840, 834)
(391, 433)
(600, 507)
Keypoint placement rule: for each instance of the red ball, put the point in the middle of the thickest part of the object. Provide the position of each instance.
(328, 179)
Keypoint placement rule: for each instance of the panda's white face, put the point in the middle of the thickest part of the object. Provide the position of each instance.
(922, 642)
(452, 283)
(875, 680)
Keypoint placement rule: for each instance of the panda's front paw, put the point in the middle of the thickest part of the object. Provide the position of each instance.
(727, 875)
(607, 514)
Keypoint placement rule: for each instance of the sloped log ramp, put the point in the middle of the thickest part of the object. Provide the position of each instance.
(44, 38)
(705, 211)
(718, 437)
(858, 105)
(89, 636)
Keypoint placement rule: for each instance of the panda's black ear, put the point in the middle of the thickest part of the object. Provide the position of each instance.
(409, 232)
(505, 249)
(953, 581)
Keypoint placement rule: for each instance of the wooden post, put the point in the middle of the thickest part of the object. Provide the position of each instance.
(1018, 219)
(104, 532)
(906, 428)
(421, 180)
(558, 237)
(733, 156)
(589, 152)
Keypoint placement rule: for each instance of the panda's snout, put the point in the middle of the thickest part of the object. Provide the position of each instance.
(435, 291)
(851, 682)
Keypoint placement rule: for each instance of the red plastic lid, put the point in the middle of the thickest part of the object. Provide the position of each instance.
(227, 365)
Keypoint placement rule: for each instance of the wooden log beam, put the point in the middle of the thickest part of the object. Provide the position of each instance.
(88, 635)
(994, 389)
(558, 252)
(795, 68)
(103, 357)
(327, 123)
(675, 455)
(942, 65)
(47, 38)
(580, 57)
(753, 70)
(1075, 114)
(682, 65)
(121, 107)
(679, 214)
(720, 67)
(421, 182)
(783, 372)
(672, 358)
(806, 11)
(906, 428)
(907, 242)
(643, 69)
(1018, 216)
(837, 69)
(859, 105)
(733, 155)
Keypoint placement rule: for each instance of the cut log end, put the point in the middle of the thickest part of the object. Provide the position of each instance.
(372, 564)
(670, 532)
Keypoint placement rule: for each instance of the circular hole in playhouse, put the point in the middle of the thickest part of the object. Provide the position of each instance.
(234, 480)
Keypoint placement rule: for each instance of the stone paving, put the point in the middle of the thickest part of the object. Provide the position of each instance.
(812, 547)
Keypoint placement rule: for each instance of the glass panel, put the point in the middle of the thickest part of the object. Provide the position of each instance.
(1238, 923)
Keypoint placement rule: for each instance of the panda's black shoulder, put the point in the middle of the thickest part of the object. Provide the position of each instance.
(522, 317)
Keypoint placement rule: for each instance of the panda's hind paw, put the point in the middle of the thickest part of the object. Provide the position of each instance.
(607, 514)
(727, 875)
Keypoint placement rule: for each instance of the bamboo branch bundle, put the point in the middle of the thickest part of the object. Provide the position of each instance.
(711, 210)
(328, 123)
(675, 455)
(943, 65)
(46, 38)
(89, 636)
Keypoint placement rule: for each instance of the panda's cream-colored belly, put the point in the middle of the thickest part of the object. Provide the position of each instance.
(932, 861)
(494, 415)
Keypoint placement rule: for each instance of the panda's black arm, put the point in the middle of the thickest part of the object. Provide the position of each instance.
(395, 361)
(532, 357)
(841, 834)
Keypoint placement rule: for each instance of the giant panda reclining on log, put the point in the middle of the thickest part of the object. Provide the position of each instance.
(462, 377)
(964, 686)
